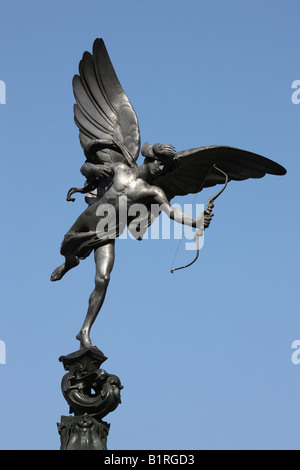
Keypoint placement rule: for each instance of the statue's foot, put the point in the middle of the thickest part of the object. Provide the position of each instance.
(85, 342)
(59, 272)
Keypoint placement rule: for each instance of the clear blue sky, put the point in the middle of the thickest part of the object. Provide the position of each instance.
(205, 354)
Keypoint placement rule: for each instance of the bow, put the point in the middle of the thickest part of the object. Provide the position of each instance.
(208, 211)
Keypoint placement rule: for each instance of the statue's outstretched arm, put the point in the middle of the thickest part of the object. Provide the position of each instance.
(178, 215)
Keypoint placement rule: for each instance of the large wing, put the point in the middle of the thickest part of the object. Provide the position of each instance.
(102, 109)
(193, 169)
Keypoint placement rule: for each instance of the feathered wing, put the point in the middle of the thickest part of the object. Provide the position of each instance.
(103, 110)
(193, 169)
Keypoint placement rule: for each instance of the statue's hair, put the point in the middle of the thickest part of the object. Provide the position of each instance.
(158, 150)
(164, 149)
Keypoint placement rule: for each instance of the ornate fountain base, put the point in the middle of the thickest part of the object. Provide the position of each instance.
(83, 433)
(91, 393)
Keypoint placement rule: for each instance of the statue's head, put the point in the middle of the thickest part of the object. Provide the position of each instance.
(159, 158)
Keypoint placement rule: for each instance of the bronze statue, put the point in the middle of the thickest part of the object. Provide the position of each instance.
(109, 134)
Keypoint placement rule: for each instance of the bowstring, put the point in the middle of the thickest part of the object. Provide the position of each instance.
(196, 195)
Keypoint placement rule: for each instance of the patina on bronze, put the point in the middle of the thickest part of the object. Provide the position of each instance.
(110, 137)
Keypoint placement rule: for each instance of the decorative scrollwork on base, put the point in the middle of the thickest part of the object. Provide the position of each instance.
(91, 393)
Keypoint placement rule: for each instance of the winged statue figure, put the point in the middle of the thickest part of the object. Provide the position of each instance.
(110, 137)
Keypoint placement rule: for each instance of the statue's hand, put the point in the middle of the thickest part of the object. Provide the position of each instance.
(204, 220)
(208, 215)
(103, 171)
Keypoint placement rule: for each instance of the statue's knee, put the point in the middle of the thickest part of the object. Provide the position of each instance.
(101, 281)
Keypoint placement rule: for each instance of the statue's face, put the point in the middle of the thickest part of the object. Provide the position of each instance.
(158, 167)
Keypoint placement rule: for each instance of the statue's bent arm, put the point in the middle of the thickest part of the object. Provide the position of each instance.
(95, 171)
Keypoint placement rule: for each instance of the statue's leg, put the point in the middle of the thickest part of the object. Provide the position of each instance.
(70, 262)
(104, 259)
